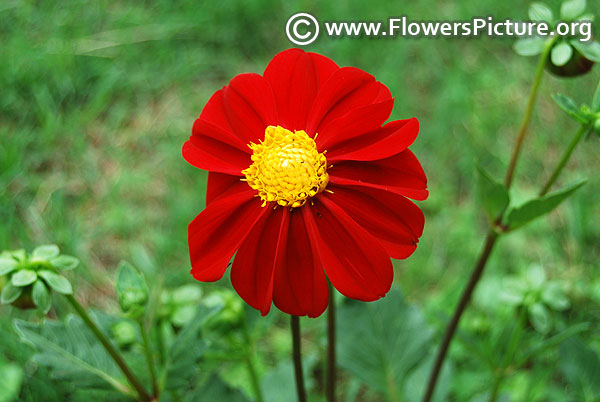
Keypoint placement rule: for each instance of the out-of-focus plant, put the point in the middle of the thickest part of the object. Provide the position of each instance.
(537, 295)
(569, 56)
(29, 279)
(80, 347)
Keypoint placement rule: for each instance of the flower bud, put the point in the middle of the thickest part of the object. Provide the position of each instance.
(597, 126)
(124, 333)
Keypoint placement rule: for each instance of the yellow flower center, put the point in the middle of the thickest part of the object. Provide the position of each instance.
(286, 167)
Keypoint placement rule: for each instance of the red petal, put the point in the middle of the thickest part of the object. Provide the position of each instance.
(217, 232)
(387, 141)
(300, 283)
(391, 218)
(355, 123)
(209, 154)
(254, 265)
(348, 88)
(401, 174)
(296, 77)
(250, 106)
(217, 184)
(355, 262)
(213, 122)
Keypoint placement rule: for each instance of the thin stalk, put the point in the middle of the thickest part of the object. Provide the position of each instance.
(250, 361)
(490, 241)
(565, 158)
(537, 79)
(496, 387)
(133, 380)
(331, 360)
(492, 235)
(296, 353)
(149, 359)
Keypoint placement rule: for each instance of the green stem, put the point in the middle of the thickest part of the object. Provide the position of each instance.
(297, 355)
(149, 359)
(250, 361)
(496, 387)
(331, 360)
(565, 158)
(490, 241)
(133, 380)
(537, 79)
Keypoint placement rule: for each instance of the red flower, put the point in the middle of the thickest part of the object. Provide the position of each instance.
(305, 181)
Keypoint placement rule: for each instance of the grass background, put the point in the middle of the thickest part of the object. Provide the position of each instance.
(98, 97)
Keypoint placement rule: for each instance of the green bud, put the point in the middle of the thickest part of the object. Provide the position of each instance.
(597, 126)
(124, 333)
(131, 289)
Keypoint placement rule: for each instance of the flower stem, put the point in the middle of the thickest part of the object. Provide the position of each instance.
(250, 361)
(149, 359)
(537, 79)
(133, 380)
(565, 158)
(295, 326)
(492, 235)
(331, 365)
(490, 241)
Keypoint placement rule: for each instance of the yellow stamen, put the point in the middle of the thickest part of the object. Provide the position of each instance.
(286, 168)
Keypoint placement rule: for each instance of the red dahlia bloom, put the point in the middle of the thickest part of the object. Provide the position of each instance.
(306, 183)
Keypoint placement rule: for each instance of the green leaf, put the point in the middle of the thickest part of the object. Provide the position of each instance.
(537, 207)
(554, 296)
(71, 351)
(11, 377)
(41, 297)
(540, 12)
(57, 282)
(186, 350)
(580, 365)
(131, 288)
(65, 262)
(46, 252)
(10, 293)
(278, 384)
(529, 46)
(513, 291)
(23, 277)
(7, 264)
(382, 342)
(591, 50)
(540, 318)
(571, 9)
(492, 194)
(561, 54)
(549, 343)
(215, 389)
(569, 106)
(536, 276)
(417, 381)
(587, 17)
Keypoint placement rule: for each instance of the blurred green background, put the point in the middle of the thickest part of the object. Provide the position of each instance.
(97, 98)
